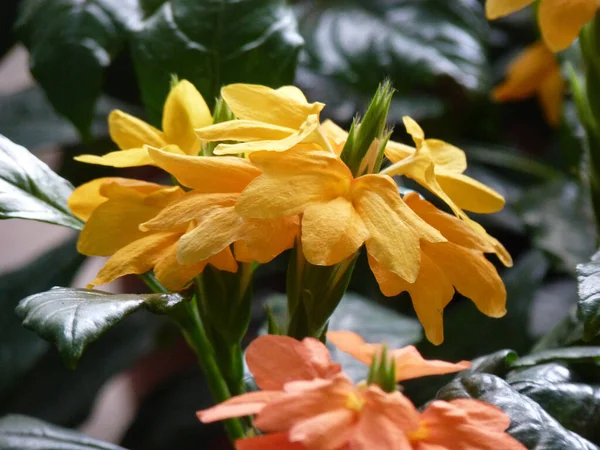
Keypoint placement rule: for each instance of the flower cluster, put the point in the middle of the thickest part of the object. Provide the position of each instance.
(269, 176)
(306, 402)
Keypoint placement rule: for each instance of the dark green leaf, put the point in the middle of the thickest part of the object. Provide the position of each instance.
(70, 52)
(561, 218)
(530, 424)
(73, 318)
(352, 45)
(212, 43)
(588, 306)
(8, 15)
(29, 189)
(565, 333)
(21, 349)
(498, 363)
(569, 355)
(26, 433)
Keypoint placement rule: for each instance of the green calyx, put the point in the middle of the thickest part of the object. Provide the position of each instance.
(383, 371)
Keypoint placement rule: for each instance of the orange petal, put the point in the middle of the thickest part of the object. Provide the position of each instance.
(483, 414)
(468, 193)
(551, 94)
(240, 406)
(410, 364)
(375, 431)
(265, 239)
(330, 430)
(275, 441)
(500, 8)
(354, 345)
(562, 21)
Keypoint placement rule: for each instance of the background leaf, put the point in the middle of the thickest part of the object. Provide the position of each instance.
(588, 306)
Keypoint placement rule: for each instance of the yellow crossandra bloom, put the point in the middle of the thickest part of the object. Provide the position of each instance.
(340, 213)
(268, 120)
(113, 209)
(184, 111)
(560, 20)
(438, 167)
(535, 72)
(457, 264)
(216, 183)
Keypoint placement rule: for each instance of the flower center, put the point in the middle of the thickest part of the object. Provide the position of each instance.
(354, 402)
(420, 433)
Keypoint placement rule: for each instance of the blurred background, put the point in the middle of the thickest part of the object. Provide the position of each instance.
(65, 64)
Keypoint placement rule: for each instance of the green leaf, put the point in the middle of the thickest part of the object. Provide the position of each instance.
(530, 424)
(21, 349)
(569, 355)
(29, 189)
(68, 54)
(212, 43)
(352, 45)
(8, 14)
(588, 306)
(497, 363)
(73, 318)
(26, 433)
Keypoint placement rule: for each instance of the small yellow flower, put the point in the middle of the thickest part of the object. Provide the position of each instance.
(560, 20)
(457, 264)
(184, 111)
(339, 212)
(113, 209)
(268, 119)
(535, 72)
(216, 183)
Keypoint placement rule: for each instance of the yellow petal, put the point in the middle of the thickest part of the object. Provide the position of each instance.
(413, 128)
(305, 134)
(244, 130)
(264, 239)
(134, 157)
(224, 260)
(86, 198)
(130, 132)
(291, 181)
(430, 293)
(396, 151)
(447, 156)
(184, 111)
(394, 229)
(170, 273)
(337, 135)
(469, 194)
(551, 94)
(562, 20)
(242, 254)
(207, 173)
(331, 232)
(138, 257)
(472, 275)
(495, 9)
(526, 72)
(286, 106)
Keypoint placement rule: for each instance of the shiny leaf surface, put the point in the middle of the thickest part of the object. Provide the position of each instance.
(588, 306)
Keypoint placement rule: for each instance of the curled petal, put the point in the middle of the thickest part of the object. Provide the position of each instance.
(128, 132)
(239, 406)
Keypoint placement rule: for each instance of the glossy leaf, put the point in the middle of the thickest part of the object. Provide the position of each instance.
(29, 189)
(212, 43)
(497, 363)
(26, 433)
(569, 355)
(73, 318)
(352, 45)
(588, 306)
(530, 424)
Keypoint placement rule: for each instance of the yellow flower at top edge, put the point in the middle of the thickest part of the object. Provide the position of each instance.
(113, 209)
(560, 20)
(267, 120)
(535, 72)
(185, 110)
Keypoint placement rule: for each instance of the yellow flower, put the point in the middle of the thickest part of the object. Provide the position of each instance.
(268, 119)
(560, 20)
(457, 264)
(535, 72)
(184, 111)
(113, 209)
(438, 167)
(216, 183)
(339, 212)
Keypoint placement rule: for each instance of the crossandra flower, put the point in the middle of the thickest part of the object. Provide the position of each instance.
(267, 120)
(560, 20)
(535, 72)
(334, 414)
(184, 111)
(458, 264)
(216, 183)
(340, 213)
(438, 167)
(113, 209)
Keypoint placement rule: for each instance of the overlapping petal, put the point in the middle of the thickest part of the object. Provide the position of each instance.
(500, 8)
(561, 21)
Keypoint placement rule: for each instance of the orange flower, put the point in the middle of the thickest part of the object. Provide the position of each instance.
(409, 362)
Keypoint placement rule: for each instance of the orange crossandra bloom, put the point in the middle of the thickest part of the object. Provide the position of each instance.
(459, 263)
(333, 414)
(408, 361)
(339, 212)
(113, 209)
(216, 183)
(535, 72)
